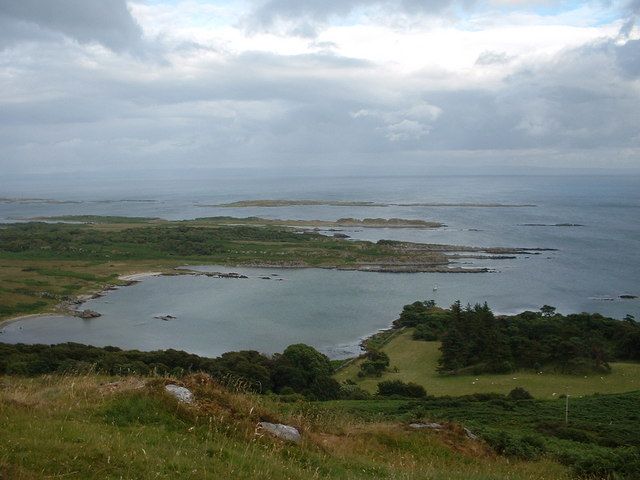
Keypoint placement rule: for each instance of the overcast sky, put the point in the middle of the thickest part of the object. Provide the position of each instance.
(90, 85)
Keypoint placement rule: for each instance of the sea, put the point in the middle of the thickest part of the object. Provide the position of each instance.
(591, 223)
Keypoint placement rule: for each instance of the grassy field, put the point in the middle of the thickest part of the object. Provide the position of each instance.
(127, 428)
(416, 361)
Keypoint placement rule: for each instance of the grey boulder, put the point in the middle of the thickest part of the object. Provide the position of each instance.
(181, 394)
(285, 432)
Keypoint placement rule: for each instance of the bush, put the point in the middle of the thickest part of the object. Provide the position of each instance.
(351, 392)
(622, 463)
(400, 388)
(528, 447)
(520, 393)
(425, 332)
(371, 369)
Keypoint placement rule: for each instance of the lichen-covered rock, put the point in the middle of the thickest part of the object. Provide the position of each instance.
(181, 394)
(285, 432)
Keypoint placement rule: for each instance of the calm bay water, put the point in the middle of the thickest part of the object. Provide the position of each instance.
(330, 309)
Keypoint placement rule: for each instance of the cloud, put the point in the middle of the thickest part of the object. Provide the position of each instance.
(108, 23)
(305, 17)
(410, 123)
(493, 58)
(227, 99)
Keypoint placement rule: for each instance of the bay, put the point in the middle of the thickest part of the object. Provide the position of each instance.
(594, 264)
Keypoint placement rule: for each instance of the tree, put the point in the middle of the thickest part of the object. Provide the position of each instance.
(306, 371)
(376, 362)
(548, 311)
(454, 342)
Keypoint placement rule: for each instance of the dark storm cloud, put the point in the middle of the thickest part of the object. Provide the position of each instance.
(87, 21)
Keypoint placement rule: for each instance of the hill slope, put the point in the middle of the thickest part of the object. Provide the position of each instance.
(98, 427)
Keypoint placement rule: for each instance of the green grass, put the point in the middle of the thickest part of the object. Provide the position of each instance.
(417, 361)
(85, 428)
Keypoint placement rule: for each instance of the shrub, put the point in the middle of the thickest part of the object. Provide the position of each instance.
(371, 369)
(528, 447)
(400, 388)
(351, 392)
(622, 463)
(520, 393)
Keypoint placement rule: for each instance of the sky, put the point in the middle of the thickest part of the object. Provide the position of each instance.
(90, 86)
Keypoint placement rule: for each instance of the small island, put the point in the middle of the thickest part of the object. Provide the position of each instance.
(344, 203)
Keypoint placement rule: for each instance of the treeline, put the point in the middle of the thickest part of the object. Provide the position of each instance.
(474, 340)
(300, 369)
(158, 241)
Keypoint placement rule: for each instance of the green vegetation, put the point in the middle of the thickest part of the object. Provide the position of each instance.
(390, 388)
(475, 341)
(359, 436)
(300, 369)
(98, 219)
(417, 361)
(93, 427)
(599, 441)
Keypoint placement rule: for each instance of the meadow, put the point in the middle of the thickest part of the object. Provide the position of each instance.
(417, 361)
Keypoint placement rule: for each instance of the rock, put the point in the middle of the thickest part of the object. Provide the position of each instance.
(340, 235)
(231, 275)
(166, 318)
(181, 394)
(470, 434)
(429, 426)
(86, 314)
(285, 432)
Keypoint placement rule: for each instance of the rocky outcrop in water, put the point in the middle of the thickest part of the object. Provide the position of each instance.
(86, 314)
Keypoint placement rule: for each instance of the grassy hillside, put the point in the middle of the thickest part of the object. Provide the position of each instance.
(108, 428)
(416, 361)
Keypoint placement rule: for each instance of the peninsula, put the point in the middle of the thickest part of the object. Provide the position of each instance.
(45, 265)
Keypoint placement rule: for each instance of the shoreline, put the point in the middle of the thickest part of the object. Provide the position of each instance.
(64, 309)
